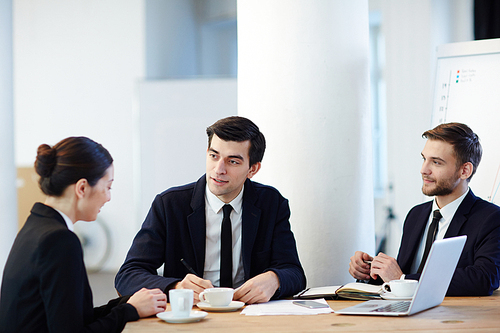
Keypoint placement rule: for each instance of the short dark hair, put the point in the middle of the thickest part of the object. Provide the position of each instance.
(240, 129)
(69, 161)
(465, 142)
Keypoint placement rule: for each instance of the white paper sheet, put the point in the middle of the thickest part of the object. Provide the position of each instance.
(283, 308)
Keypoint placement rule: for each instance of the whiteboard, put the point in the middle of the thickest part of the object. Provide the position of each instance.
(467, 90)
(173, 117)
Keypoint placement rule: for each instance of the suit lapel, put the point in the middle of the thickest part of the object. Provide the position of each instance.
(197, 225)
(415, 230)
(461, 215)
(249, 225)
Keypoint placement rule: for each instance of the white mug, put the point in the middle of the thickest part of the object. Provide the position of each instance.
(401, 288)
(181, 302)
(217, 296)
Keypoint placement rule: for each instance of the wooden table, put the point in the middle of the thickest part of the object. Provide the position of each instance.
(462, 314)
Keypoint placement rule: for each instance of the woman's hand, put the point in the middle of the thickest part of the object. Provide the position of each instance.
(148, 302)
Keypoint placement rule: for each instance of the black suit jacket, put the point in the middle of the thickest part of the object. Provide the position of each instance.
(478, 269)
(175, 229)
(45, 286)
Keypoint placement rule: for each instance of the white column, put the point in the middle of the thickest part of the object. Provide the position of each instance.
(8, 212)
(303, 77)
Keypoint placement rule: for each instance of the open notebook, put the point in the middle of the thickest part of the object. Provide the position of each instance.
(354, 290)
(434, 282)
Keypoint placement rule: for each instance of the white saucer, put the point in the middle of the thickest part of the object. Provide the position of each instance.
(391, 297)
(233, 306)
(193, 316)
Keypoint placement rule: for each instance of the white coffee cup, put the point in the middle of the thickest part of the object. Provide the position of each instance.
(181, 302)
(217, 296)
(401, 288)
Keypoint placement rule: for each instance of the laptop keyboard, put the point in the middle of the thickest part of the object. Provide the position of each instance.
(394, 307)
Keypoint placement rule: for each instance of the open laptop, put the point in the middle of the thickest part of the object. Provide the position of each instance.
(432, 287)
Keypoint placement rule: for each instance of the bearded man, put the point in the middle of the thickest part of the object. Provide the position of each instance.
(450, 158)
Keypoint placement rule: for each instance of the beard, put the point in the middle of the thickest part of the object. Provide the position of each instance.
(442, 187)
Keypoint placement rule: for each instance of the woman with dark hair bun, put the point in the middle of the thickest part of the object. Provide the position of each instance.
(45, 286)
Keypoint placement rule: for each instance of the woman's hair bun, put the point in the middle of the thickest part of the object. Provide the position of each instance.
(68, 161)
(46, 160)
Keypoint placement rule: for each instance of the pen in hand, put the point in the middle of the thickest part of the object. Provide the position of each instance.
(189, 268)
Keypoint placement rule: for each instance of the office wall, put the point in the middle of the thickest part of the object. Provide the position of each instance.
(190, 38)
(7, 166)
(411, 31)
(77, 64)
(78, 70)
(76, 67)
(173, 138)
(171, 39)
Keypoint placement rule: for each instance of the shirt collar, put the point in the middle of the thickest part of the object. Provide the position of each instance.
(449, 210)
(216, 204)
(68, 221)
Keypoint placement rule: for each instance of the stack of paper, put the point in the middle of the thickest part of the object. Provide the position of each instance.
(283, 307)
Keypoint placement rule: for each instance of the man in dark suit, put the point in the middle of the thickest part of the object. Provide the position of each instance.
(451, 156)
(182, 230)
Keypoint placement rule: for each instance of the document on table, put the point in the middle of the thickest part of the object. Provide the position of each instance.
(282, 308)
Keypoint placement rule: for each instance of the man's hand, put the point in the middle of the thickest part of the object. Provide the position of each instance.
(148, 302)
(258, 289)
(195, 283)
(386, 267)
(358, 268)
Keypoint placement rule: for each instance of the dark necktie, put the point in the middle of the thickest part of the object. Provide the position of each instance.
(226, 249)
(431, 235)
